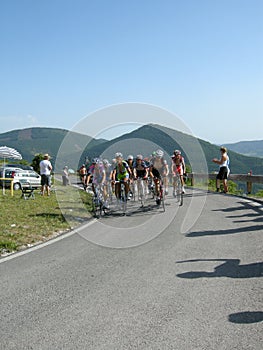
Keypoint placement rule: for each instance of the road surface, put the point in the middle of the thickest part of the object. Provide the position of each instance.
(193, 280)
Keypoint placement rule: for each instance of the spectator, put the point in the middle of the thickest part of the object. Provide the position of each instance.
(45, 172)
(83, 175)
(65, 176)
(224, 170)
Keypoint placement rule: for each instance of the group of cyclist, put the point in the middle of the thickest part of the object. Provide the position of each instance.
(110, 175)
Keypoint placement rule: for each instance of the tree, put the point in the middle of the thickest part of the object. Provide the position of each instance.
(35, 162)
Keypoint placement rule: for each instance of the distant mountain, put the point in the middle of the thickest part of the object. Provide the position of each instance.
(76, 147)
(248, 148)
(37, 140)
(149, 137)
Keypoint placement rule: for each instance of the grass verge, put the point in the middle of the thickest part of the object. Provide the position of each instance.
(24, 223)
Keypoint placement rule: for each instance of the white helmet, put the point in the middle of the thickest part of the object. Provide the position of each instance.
(130, 157)
(106, 162)
(118, 155)
(159, 153)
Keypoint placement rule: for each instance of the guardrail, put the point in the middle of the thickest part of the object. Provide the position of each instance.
(249, 179)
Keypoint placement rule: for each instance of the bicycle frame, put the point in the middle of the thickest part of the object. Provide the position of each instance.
(142, 191)
(97, 200)
(122, 200)
(177, 188)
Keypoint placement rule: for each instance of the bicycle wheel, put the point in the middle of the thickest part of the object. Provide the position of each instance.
(162, 197)
(95, 206)
(123, 199)
(141, 196)
(179, 191)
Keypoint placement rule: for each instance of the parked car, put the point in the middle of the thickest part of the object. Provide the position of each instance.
(19, 166)
(19, 177)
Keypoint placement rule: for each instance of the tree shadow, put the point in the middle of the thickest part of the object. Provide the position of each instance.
(47, 215)
(225, 232)
(257, 219)
(230, 268)
(243, 206)
(246, 317)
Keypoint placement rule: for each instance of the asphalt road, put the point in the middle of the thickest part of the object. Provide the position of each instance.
(190, 279)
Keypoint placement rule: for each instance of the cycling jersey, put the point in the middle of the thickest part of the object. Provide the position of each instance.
(178, 165)
(97, 173)
(158, 167)
(122, 171)
(141, 169)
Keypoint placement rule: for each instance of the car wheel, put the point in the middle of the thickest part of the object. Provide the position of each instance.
(16, 186)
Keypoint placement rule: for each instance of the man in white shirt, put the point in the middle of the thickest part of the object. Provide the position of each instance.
(45, 172)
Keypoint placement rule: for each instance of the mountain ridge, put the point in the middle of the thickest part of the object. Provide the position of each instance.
(145, 139)
(252, 148)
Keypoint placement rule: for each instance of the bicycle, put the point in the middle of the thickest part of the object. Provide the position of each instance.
(162, 194)
(122, 198)
(159, 192)
(97, 201)
(177, 189)
(109, 191)
(142, 191)
(151, 187)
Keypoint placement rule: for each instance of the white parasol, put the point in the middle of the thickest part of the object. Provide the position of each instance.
(8, 153)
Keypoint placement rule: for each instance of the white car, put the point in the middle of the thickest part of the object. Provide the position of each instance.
(20, 177)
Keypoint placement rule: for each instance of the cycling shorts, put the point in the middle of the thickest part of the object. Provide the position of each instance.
(177, 169)
(121, 177)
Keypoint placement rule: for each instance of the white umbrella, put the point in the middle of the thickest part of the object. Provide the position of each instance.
(8, 152)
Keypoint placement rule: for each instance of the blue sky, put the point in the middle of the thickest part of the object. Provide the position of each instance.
(199, 59)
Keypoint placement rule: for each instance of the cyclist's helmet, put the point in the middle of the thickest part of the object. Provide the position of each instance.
(95, 161)
(159, 153)
(139, 157)
(177, 152)
(118, 155)
(130, 157)
(106, 162)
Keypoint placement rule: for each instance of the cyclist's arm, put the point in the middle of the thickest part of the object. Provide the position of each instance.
(114, 175)
(103, 177)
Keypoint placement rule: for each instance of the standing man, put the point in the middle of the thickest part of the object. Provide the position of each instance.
(45, 172)
(224, 170)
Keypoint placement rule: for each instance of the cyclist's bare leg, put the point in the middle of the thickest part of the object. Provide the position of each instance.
(157, 186)
(117, 190)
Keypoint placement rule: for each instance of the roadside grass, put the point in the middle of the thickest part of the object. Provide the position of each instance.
(24, 223)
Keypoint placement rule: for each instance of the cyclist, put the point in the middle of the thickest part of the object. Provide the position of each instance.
(130, 164)
(165, 176)
(83, 175)
(140, 169)
(98, 173)
(121, 172)
(108, 170)
(178, 166)
(158, 168)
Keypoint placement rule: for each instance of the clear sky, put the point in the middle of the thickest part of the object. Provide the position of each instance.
(199, 59)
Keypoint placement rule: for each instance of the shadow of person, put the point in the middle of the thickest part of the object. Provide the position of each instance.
(246, 317)
(230, 268)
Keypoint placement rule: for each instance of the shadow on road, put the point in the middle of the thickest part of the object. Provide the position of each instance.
(230, 268)
(225, 232)
(246, 317)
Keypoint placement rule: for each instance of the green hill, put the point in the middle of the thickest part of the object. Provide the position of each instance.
(37, 140)
(248, 148)
(71, 148)
(197, 152)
